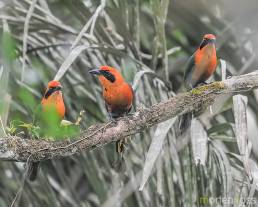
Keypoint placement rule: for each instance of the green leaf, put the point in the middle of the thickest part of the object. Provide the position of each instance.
(9, 47)
(27, 99)
(220, 128)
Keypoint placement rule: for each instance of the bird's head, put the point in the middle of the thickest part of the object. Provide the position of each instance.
(52, 88)
(108, 76)
(208, 39)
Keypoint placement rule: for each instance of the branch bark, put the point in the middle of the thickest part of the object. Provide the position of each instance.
(14, 148)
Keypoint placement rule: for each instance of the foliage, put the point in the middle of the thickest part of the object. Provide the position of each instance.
(142, 39)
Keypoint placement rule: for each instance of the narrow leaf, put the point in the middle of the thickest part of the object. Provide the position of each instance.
(69, 60)
(199, 142)
(155, 148)
(223, 66)
(1, 71)
(224, 167)
(138, 77)
(253, 172)
(239, 108)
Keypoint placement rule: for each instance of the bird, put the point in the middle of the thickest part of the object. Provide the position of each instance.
(199, 68)
(117, 94)
(202, 64)
(53, 98)
(52, 104)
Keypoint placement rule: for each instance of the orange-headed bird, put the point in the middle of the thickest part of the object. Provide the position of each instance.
(202, 63)
(53, 99)
(117, 93)
(200, 66)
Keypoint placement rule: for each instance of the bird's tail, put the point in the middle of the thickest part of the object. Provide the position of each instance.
(184, 123)
(32, 170)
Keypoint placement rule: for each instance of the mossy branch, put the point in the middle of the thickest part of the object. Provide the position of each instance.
(14, 148)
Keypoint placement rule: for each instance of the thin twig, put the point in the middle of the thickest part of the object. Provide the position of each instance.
(91, 23)
(80, 35)
(47, 47)
(96, 14)
(19, 192)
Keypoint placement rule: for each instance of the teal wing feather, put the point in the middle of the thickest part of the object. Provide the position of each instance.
(189, 68)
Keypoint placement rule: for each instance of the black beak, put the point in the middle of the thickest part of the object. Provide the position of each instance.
(109, 76)
(95, 72)
(206, 42)
(52, 90)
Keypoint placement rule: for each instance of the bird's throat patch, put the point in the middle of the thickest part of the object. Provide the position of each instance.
(50, 91)
(109, 76)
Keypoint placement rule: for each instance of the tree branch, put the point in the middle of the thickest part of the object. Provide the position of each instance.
(14, 148)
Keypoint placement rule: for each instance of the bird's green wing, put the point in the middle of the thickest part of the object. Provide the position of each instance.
(189, 68)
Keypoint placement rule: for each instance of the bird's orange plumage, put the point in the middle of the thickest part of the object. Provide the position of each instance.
(200, 66)
(203, 63)
(54, 99)
(118, 95)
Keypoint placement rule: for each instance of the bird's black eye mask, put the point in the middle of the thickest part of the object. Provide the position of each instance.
(206, 42)
(51, 90)
(109, 76)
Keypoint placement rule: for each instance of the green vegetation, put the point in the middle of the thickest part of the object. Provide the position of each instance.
(149, 42)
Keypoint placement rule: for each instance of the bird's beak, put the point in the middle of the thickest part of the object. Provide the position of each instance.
(95, 72)
(206, 42)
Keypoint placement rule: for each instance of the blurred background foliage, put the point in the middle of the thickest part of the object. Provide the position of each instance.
(149, 41)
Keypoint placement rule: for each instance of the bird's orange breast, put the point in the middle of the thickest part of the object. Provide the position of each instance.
(120, 96)
(56, 102)
(205, 63)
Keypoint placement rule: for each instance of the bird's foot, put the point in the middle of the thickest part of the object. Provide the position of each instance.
(112, 122)
(202, 84)
(129, 114)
